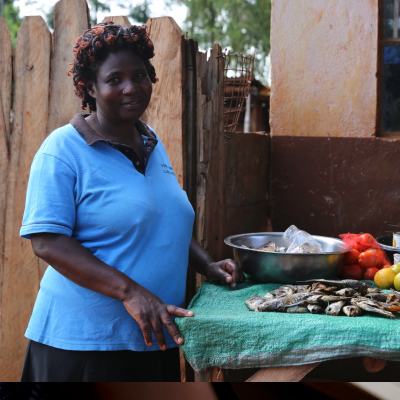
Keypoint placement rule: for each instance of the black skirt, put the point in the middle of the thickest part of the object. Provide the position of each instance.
(49, 364)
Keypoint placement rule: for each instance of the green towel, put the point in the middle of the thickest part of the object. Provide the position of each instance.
(225, 333)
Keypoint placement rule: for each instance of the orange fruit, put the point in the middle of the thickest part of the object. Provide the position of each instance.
(384, 278)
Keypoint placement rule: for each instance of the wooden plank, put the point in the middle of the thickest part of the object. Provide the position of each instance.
(71, 19)
(21, 267)
(246, 162)
(282, 374)
(164, 113)
(119, 20)
(5, 104)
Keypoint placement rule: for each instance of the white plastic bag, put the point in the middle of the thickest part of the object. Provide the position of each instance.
(300, 241)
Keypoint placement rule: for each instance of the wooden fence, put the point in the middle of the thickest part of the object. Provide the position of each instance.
(225, 175)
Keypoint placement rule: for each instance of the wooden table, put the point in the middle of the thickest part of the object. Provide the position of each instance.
(282, 374)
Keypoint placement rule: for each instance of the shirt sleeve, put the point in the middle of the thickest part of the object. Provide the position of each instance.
(50, 200)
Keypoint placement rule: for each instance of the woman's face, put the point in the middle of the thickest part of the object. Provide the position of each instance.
(123, 88)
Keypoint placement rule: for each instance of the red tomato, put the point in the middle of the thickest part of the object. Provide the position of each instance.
(366, 241)
(351, 257)
(368, 260)
(387, 265)
(360, 248)
(380, 254)
(353, 272)
(370, 273)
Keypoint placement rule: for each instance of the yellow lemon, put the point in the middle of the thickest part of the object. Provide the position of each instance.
(384, 278)
(397, 282)
(396, 268)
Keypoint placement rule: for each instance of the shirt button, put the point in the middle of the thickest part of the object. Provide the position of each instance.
(137, 162)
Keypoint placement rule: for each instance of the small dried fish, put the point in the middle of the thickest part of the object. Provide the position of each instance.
(316, 299)
(348, 292)
(334, 308)
(281, 303)
(361, 287)
(352, 311)
(322, 287)
(254, 302)
(315, 309)
(389, 306)
(332, 299)
(366, 306)
(379, 296)
(374, 290)
(299, 309)
(397, 294)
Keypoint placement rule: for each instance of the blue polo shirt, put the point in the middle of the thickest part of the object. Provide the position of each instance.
(135, 218)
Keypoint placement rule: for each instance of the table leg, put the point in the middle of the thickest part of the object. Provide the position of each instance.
(282, 374)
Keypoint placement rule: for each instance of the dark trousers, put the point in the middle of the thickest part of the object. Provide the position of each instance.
(48, 364)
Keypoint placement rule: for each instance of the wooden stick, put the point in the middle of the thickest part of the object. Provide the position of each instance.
(282, 374)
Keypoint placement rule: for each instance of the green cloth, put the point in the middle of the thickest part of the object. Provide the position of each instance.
(225, 333)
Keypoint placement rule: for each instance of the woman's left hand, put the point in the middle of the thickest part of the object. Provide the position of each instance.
(226, 272)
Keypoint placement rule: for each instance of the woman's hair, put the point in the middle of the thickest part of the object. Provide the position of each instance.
(94, 46)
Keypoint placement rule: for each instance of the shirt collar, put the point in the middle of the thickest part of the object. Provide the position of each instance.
(91, 136)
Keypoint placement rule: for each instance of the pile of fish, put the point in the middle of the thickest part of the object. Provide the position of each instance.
(270, 246)
(321, 296)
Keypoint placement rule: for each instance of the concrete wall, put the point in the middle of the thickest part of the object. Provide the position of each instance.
(324, 63)
(330, 174)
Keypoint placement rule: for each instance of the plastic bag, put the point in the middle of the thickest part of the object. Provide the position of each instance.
(362, 242)
(300, 241)
(396, 258)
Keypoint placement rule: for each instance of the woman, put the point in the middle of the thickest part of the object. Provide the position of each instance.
(114, 227)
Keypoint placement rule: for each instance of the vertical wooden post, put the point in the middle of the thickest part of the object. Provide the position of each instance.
(21, 267)
(71, 19)
(165, 110)
(118, 19)
(5, 104)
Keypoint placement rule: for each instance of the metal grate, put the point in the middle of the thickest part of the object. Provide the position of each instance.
(238, 72)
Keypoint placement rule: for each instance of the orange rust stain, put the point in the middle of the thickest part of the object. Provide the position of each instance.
(320, 16)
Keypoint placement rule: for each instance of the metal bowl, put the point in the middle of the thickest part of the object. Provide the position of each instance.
(386, 244)
(268, 267)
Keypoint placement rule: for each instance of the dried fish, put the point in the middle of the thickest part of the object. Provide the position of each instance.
(322, 295)
(367, 306)
(397, 294)
(334, 308)
(390, 306)
(352, 311)
(332, 298)
(254, 302)
(321, 287)
(379, 296)
(315, 309)
(281, 303)
(361, 287)
(299, 309)
(316, 299)
(348, 292)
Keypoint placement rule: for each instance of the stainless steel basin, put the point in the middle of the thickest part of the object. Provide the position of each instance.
(268, 267)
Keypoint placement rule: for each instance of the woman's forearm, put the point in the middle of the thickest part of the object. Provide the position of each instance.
(79, 265)
(199, 259)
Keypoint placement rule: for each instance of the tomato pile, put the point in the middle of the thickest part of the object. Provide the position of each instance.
(365, 258)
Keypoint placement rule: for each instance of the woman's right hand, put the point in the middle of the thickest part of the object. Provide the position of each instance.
(152, 314)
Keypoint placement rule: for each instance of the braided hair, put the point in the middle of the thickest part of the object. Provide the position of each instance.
(94, 46)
